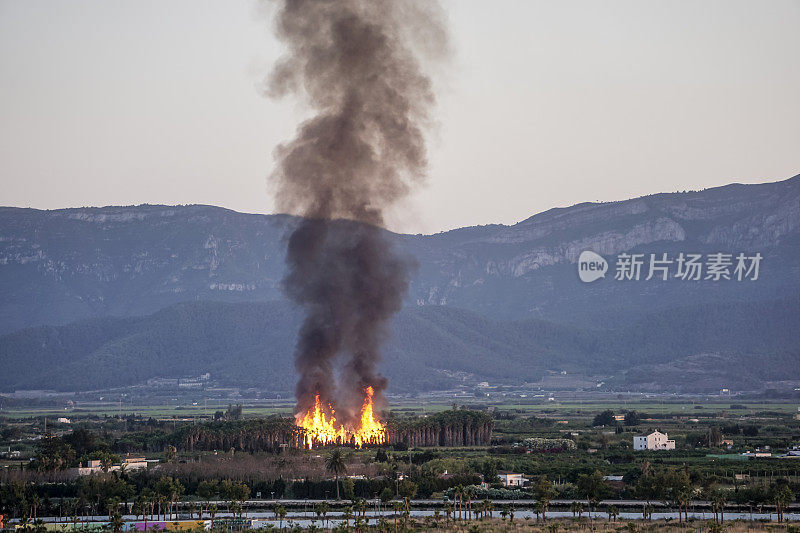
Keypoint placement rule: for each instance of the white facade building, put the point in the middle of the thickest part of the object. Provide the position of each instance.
(94, 466)
(511, 479)
(654, 441)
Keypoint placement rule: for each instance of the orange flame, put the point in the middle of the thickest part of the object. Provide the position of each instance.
(321, 427)
(371, 430)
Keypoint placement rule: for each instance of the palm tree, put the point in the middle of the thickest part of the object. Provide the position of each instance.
(160, 501)
(468, 493)
(543, 493)
(593, 503)
(718, 506)
(280, 513)
(212, 512)
(684, 498)
(116, 524)
(541, 508)
(397, 507)
(361, 506)
(480, 508)
(325, 508)
(34, 505)
(136, 508)
(781, 497)
(38, 526)
(335, 465)
(383, 525)
(458, 498)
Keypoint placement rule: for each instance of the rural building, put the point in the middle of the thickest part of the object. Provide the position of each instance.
(94, 466)
(511, 479)
(134, 462)
(757, 453)
(654, 441)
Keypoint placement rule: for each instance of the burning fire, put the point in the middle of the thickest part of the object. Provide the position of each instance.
(321, 427)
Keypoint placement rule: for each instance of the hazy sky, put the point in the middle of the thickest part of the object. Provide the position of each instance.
(545, 104)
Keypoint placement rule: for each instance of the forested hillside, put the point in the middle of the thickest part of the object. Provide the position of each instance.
(701, 347)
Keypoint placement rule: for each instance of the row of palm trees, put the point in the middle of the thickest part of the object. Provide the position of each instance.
(463, 504)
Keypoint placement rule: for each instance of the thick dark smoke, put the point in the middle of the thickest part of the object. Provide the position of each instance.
(358, 64)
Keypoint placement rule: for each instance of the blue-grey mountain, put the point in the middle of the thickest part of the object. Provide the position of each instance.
(114, 266)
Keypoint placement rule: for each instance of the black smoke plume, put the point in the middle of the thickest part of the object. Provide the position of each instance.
(359, 65)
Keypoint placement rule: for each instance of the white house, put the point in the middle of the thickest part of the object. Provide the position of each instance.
(133, 463)
(511, 479)
(94, 466)
(654, 441)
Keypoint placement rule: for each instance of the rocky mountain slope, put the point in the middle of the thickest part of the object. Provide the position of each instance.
(59, 266)
(152, 291)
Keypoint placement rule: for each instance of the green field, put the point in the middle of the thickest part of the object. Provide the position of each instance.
(556, 408)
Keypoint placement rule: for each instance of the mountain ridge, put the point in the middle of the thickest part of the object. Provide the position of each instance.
(120, 263)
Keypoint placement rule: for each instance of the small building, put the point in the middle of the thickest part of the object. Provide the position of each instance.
(95, 466)
(132, 462)
(92, 467)
(654, 441)
(619, 418)
(757, 453)
(512, 479)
